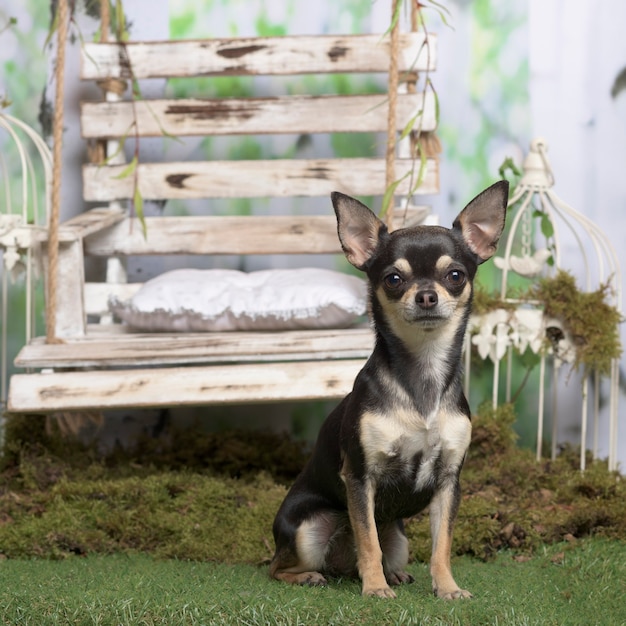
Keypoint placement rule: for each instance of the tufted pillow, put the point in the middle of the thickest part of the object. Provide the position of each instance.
(201, 300)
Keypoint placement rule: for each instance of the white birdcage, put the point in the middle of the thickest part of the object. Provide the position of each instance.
(524, 326)
(23, 223)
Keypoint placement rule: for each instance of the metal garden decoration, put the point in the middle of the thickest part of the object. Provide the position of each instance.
(23, 223)
(539, 311)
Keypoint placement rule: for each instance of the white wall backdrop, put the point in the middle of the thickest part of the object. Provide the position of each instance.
(576, 50)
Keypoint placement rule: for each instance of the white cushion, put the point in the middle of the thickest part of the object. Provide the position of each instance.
(201, 300)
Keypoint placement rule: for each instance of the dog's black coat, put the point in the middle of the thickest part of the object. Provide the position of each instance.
(397, 442)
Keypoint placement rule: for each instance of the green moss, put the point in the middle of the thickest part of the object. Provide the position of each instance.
(485, 301)
(590, 320)
(214, 496)
(492, 431)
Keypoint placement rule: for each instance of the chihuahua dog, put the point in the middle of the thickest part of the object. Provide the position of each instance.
(396, 443)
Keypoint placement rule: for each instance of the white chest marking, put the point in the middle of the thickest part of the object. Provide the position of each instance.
(402, 435)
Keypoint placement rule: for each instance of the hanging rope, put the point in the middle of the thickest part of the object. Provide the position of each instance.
(57, 137)
(105, 21)
(392, 90)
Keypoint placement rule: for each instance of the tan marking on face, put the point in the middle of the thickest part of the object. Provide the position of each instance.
(443, 263)
(403, 266)
(449, 304)
(401, 317)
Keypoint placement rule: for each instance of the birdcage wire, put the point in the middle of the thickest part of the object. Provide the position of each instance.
(23, 224)
(495, 334)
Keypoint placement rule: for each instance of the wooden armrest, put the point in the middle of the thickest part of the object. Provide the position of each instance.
(90, 222)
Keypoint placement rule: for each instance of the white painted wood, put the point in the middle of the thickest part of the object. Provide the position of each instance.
(256, 234)
(254, 179)
(243, 116)
(110, 348)
(220, 367)
(70, 310)
(89, 222)
(245, 56)
(182, 386)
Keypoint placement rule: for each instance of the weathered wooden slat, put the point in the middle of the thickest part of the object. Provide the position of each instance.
(267, 55)
(70, 319)
(237, 116)
(254, 179)
(182, 386)
(256, 234)
(89, 222)
(161, 370)
(143, 349)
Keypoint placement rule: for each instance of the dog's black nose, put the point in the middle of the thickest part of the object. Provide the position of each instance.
(426, 299)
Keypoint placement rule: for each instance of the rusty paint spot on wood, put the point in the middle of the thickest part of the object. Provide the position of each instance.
(319, 172)
(336, 52)
(177, 180)
(53, 392)
(213, 110)
(239, 51)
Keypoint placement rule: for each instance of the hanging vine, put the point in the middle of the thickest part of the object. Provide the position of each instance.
(422, 144)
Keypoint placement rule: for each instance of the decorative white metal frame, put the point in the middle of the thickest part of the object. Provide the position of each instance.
(497, 333)
(22, 227)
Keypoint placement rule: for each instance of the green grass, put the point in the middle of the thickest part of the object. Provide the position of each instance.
(171, 532)
(580, 583)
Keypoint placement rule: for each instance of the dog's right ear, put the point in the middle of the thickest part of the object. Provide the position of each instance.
(358, 228)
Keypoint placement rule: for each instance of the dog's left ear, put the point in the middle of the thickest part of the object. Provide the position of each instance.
(358, 228)
(481, 222)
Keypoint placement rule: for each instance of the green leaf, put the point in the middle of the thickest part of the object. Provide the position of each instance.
(122, 29)
(138, 206)
(410, 124)
(389, 193)
(529, 359)
(421, 172)
(394, 18)
(53, 28)
(508, 165)
(437, 110)
(128, 170)
(442, 10)
(546, 226)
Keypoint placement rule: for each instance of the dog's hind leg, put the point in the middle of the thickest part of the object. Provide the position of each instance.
(301, 553)
(395, 547)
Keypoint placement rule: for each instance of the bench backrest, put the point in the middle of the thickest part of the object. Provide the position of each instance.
(120, 117)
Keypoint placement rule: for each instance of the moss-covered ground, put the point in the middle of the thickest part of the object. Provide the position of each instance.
(212, 497)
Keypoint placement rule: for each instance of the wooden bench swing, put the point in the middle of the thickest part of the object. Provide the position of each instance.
(82, 365)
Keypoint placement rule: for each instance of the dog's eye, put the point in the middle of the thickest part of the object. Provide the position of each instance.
(455, 277)
(393, 281)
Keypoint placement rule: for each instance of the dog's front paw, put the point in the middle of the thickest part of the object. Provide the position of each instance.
(382, 592)
(453, 594)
